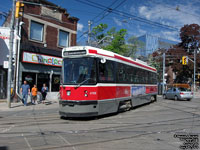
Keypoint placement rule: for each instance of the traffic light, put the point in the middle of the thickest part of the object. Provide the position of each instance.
(19, 9)
(184, 60)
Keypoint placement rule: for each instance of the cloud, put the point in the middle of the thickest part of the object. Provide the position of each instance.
(117, 21)
(143, 10)
(169, 35)
(169, 16)
(80, 27)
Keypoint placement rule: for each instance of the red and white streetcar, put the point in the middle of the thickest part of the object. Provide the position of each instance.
(97, 82)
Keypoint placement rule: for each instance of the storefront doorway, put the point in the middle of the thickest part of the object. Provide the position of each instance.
(40, 78)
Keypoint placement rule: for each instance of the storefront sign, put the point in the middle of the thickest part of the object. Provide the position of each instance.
(42, 59)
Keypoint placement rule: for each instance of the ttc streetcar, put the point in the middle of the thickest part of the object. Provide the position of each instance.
(97, 82)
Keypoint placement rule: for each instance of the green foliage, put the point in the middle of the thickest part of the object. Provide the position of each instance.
(118, 41)
(98, 32)
(114, 40)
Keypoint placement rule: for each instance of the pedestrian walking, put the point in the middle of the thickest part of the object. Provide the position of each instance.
(44, 92)
(25, 90)
(34, 91)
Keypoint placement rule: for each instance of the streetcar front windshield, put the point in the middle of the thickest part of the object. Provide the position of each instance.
(79, 71)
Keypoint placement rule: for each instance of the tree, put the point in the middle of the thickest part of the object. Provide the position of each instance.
(190, 37)
(99, 32)
(114, 40)
(117, 44)
(190, 40)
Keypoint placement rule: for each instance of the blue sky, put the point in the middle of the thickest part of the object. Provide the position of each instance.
(162, 18)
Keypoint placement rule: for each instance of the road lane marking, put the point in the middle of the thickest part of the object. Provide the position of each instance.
(66, 141)
(27, 142)
(7, 129)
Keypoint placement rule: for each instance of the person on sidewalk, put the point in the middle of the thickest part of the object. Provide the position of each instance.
(25, 90)
(34, 91)
(44, 92)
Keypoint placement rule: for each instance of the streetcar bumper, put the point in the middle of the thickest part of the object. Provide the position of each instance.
(78, 108)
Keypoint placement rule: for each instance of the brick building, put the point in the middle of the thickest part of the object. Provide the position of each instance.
(45, 30)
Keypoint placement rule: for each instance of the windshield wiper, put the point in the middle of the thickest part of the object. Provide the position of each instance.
(77, 86)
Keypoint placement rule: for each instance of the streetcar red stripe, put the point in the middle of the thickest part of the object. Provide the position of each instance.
(121, 58)
(132, 62)
(92, 51)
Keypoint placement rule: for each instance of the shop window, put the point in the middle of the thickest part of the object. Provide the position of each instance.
(55, 82)
(63, 38)
(29, 77)
(36, 31)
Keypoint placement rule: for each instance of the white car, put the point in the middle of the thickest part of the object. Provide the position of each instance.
(178, 94)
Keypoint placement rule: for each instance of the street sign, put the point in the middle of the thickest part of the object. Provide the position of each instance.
(5, 64)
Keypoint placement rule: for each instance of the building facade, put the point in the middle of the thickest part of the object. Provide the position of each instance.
(44, 29)
(152, 43)
(4, 50)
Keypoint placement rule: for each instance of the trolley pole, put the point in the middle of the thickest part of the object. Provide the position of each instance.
(89, 31)
(163, 87)
(10, 54)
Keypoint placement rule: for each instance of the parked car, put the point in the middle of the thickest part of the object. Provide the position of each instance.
(178, 94)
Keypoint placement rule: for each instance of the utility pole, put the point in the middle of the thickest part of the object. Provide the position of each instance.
(10, 54)
(89, 31)
(195, 54)
(163, 87)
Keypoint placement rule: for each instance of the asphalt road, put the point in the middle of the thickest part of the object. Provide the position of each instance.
(162, 125)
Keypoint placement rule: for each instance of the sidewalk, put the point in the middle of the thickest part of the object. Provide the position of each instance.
(15, 106)
(48, 104)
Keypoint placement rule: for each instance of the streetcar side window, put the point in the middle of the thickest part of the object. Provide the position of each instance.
(107, 71)
(133, 75)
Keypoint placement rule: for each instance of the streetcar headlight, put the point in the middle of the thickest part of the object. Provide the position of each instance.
(68, 93)
(86, 93)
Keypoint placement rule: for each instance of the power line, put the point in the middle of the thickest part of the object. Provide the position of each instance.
(127, 15)
(104, 15)
(177, 9)
(104, 11)
(109, 10)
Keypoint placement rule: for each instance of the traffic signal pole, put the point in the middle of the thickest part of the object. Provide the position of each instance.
(195, 54)
(163, 86)
(185, 62)
(10, 54)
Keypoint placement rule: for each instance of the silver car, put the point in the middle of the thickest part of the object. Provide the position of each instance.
(178, 94)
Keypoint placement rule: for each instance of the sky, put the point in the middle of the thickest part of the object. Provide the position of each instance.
(161, 18)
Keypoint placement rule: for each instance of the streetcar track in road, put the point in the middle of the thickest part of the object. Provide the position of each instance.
(181, 109)
(46, 121)
(105, 140)
(134, 128)
(105, 129)
(196, 109)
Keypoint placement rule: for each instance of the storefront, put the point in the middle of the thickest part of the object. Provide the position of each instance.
(39, 69)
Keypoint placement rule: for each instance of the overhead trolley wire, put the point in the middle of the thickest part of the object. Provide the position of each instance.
(128, 15)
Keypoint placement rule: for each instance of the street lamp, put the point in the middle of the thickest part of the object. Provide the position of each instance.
(17, 60)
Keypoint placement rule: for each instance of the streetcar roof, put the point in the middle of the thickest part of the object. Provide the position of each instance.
(77, 51)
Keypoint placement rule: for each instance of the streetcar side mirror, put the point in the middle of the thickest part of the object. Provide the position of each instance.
(103, 60)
